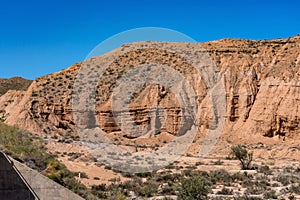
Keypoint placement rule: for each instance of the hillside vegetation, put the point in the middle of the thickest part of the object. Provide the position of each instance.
(29, 149)
(14, 83)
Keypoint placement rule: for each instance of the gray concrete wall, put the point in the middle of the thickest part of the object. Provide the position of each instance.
(45, 188)
(19, 182)
(12, 187)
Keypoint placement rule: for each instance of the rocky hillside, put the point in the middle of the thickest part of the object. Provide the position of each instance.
(15, 87)
(261, 79)
(14, 83)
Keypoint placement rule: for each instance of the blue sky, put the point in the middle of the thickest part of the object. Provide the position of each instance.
(41, 37)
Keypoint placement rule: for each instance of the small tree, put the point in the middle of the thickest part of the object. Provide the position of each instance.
(241, 153)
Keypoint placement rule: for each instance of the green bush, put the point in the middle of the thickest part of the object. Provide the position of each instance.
(270, 195)
(265, 169)
(247, 198)
(120, 195)
(295, 189)
(196, 187)
(243, 177)
(225, 191)
(148, 190)
(283, 179)
(116, 195)
(221, 176)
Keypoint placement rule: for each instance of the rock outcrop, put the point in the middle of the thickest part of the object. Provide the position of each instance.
(261, 79)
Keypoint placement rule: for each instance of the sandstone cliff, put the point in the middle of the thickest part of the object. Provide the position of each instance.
(261, 78)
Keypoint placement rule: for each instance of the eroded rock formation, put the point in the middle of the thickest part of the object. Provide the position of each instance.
(261, 79)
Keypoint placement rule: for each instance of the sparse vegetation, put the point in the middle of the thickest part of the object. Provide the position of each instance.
(196, 187)
(270, 195)
(225, 191)
(189, 184)
(15, 83)
(295, 188)
(23, 146)
(29, 149)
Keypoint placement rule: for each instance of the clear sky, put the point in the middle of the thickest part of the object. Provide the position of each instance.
(41, 37)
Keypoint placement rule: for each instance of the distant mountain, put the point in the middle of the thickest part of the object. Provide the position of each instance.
(14, 83)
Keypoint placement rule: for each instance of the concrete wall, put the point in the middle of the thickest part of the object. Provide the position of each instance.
(19, 182)
(12, 187)
(45, 188)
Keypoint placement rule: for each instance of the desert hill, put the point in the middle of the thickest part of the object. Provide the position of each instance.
(261, 79)
(14, 83)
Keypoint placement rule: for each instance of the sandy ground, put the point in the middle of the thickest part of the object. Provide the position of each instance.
(98, 173)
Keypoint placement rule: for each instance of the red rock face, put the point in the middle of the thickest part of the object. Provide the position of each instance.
(261, 78)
